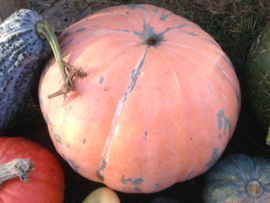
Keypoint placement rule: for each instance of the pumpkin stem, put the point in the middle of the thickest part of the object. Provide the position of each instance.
(45, 31)
(17, 167)
(254, 189)
(268, 137)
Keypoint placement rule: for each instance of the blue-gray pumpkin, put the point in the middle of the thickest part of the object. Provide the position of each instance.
(238, 178)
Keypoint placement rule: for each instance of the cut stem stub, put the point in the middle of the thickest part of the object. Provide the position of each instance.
(17, 167)
(254, 189)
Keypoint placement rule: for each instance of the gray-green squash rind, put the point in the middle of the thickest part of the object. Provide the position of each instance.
(21, 54)
(258, 77)
(227, 181)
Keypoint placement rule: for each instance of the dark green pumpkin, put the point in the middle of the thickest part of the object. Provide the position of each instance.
(238, 178)
(22, 49)
(258, 77)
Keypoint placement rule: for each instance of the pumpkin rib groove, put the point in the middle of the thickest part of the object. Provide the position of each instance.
(184, 115)
(112, 31)
(181, 26)
(145, 13)
(226, 59)
(210, 60)
(109, 140)
(113, 12)
(118, 14)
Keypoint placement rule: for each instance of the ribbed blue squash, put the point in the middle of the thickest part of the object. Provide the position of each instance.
(238, 178)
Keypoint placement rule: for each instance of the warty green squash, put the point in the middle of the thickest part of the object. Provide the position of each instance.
(22, 50)
(258, 78)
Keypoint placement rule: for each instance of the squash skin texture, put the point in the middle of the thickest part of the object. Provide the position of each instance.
(21, 55)
(148, 114)
(46, 184)
(227, 181)
(258, 77)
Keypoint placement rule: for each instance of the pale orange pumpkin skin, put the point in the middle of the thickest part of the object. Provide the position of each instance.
(145, 116)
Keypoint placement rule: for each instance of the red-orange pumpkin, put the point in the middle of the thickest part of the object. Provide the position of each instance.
(158, 105)
(46, 181)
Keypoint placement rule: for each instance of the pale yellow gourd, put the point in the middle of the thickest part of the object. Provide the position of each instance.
(102, 195)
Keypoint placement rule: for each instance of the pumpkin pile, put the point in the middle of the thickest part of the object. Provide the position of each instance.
(143, 99)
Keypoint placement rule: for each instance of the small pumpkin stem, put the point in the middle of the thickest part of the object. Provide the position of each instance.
(254, 189)
(45, 31)
(268, 137)
(17, 167)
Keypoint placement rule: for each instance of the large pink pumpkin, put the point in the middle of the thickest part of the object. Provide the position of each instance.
(158, 105)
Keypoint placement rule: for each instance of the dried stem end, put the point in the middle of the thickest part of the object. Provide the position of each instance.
(254, 189)
(17, 167)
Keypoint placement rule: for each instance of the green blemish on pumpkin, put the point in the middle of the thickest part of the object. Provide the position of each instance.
(69, 42)
(107, 11)
(135, 75)
(127, 13)
(137, 189)
(155, 11)
(102, 168)
(220, 114)
(156, 187)
(125, 180)
(66, 34)
(163, 16)
(73, 165)
(223, 121)
(132, 6)
(84, 141)
(81, 29)
(100, 176)
(192, 34)
(227, 123)
(190, 174)
(137, 181)
(215, 157)
(238, 97)
(101, 80)
(57, 138)
(145, 135)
